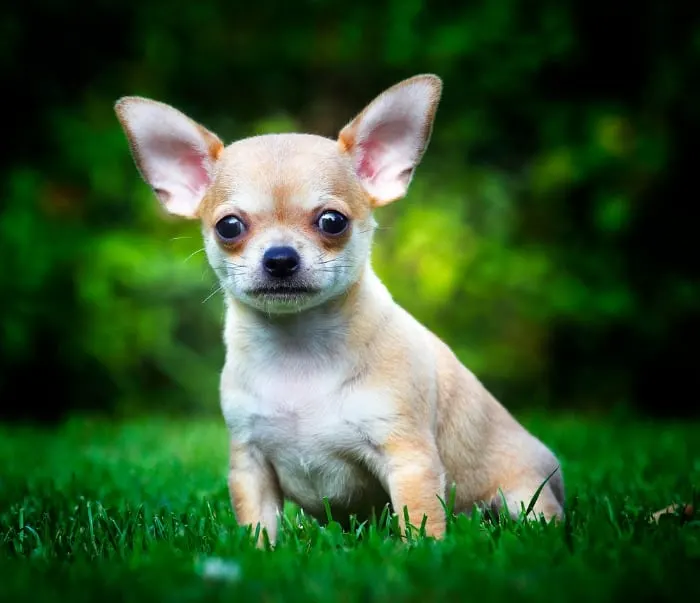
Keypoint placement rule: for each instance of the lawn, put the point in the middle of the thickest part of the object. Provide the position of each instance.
(138, 511)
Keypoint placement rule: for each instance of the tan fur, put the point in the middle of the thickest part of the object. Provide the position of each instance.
(345, 394)
(255, 493)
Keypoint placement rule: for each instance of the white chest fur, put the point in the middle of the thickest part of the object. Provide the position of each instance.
(319, 430)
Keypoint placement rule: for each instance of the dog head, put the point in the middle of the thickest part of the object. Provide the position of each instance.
(286, 218)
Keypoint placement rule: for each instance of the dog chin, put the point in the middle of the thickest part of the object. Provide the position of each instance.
(282, 300)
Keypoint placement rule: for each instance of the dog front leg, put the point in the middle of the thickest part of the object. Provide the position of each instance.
(416, 480)
(255, 493)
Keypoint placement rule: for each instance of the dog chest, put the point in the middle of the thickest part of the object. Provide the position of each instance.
(322, 439)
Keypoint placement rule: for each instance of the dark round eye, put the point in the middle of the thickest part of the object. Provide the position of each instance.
(332, 222)
(230, 228)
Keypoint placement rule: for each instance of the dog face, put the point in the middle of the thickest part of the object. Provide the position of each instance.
(286, 218)
(286, 224)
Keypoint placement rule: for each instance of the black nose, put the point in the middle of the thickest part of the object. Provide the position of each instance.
(281, 261)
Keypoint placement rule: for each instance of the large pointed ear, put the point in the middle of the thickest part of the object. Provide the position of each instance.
(174, 155)
(387, 140)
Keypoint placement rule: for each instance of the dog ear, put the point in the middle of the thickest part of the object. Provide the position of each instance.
(386, 141)
(174, 155)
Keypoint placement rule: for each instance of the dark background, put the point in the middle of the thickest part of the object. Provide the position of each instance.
(548, 236)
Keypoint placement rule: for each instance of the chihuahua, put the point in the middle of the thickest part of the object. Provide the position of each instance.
(330, 390)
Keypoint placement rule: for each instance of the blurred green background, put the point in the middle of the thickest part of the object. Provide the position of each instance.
(547, 236)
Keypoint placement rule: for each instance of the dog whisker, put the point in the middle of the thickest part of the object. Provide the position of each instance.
(194, 253)
(333, 268)
(213, 293)
(229, 268)
(234, 264)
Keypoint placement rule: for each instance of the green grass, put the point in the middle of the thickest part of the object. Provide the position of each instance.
(133, 510)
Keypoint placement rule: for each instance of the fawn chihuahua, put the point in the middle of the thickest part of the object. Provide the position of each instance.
(329, 388)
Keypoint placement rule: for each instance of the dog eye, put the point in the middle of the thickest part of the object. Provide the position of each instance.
(332, 222)
(229, 228)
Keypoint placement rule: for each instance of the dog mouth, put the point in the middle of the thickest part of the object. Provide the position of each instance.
(282, 291)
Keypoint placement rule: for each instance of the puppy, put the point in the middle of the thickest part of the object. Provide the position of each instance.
(329, 388)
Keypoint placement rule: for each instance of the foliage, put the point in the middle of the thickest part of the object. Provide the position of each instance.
(543, 237)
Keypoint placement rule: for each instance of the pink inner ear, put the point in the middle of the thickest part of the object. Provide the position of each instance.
(388, 142)
(177, 164)
(369, 153)
(192, 164)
